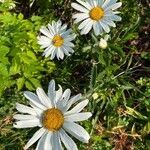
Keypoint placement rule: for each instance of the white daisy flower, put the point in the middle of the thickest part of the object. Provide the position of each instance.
(96, 14)
(57, 40)
(53, 115)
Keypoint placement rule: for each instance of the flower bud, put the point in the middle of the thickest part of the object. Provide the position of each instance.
(95, 96)
(103, 43)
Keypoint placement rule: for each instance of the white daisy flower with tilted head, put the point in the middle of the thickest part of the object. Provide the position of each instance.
(56, 40)
(53, 115)
(96, 14)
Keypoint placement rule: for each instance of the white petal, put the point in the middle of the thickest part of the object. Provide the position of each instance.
(48, 141)
(92, 3)
(43, 40)
(77, 131)
(70, 38)
(35, 137)
(96, 28)
(80, 16)
(66, 96)
(55, 27)
(79, 107)
(34, 99)
(23, 117)
(84, 23)
(41, 142)
(46, 32)
(51, 90)
(59, 24)
(25, 109)
(37, 110)
(27, 123)
(51, 30)
(60, 53)
(109, 22)
(68, 142)
(69, 44)
(59, 93)
(53, 54)
(73, 100)
(100, 2)
(116, 12)
(87, 5)
(43, 98)
(78, 117)
(56, 141)
(95, 3)
(61, 104)
(48, 51)
(79, 7)
(114, 6)
(69, 49)
(100, 27)
(66, 33)
(87, 28)
(105, 27)
(107, 3)
(63, 28)
(115, 17)
(66, 52)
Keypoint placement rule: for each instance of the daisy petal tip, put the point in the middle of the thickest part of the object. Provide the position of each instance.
(25, 148)
(15, 125)
(25, 93)
(120, 3)
(73, 5)
(86, 140)
(16, 104)
(52, 82)
(38, 89)
(43, 54)
(90, 114)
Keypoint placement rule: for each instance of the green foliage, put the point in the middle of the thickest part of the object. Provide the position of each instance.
(21, 63)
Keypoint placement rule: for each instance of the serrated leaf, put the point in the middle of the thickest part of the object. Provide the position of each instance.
(3, 50)
(15, 67)
(3, 70)
(20, 16)
(20, 83)
(29, 85)
(35, 82)
(31, 55)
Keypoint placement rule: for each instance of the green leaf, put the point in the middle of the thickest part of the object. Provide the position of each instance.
(93, 76)
(3, 50)
(3, 70)
(29, 85)
(35, 82)
(16, 66)
(146, 129)
(101, 58)
(135, 113)
(31, 55)
(20, 83)
(20, 16)
(118, 49)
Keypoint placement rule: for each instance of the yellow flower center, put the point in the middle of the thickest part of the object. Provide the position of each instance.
(53, 119)
(96, 13)
(58, 41)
